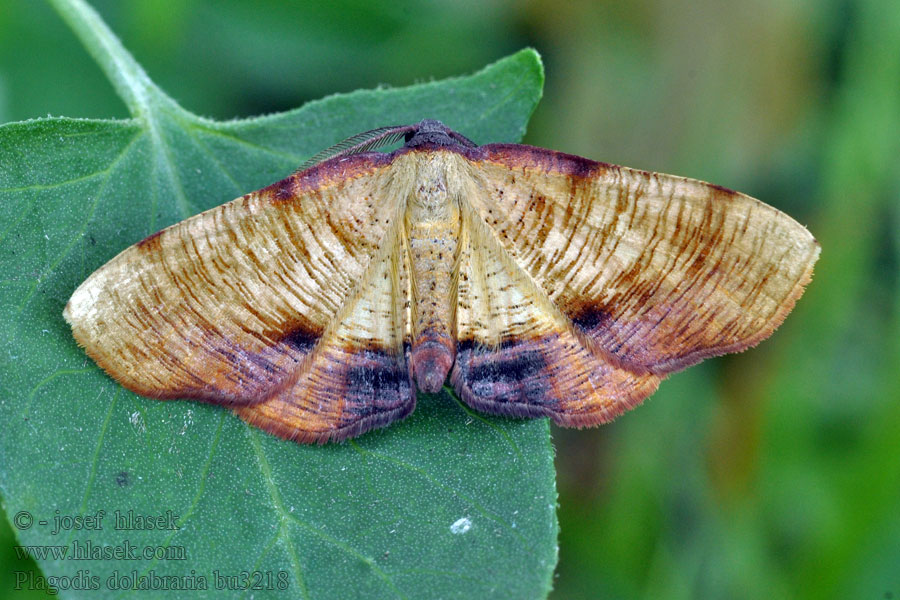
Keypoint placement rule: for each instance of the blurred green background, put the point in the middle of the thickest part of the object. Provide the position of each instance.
(774, 473)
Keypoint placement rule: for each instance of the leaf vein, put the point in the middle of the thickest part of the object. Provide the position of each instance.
(288, 156)
(201, 487)
(278, 505)
(79, 234)
(48, 379)
(95, 459)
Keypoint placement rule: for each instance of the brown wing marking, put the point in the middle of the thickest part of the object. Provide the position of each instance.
(660, 271)
(519, 356)
(357, 377)
(222, 307)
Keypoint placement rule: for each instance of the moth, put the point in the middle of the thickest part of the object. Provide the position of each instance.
(543, 284)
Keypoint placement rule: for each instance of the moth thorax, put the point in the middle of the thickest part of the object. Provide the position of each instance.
(433, 195)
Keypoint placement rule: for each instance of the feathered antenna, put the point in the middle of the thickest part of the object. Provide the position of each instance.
(361, 142)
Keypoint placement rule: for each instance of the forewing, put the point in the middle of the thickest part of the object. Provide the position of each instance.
(224, 306)
(660, 271)
(518, 355)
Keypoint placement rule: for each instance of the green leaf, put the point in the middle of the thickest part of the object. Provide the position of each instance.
(445, 504)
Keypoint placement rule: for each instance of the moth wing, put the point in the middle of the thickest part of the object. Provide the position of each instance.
(518, 355)
(357, 376)
(226, 305)
(659, 271)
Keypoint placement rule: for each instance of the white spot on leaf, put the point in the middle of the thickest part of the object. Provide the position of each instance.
(188, 420)
(137, 421)
(461, 526)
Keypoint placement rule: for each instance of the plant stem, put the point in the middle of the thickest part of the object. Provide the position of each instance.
(128, 78)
